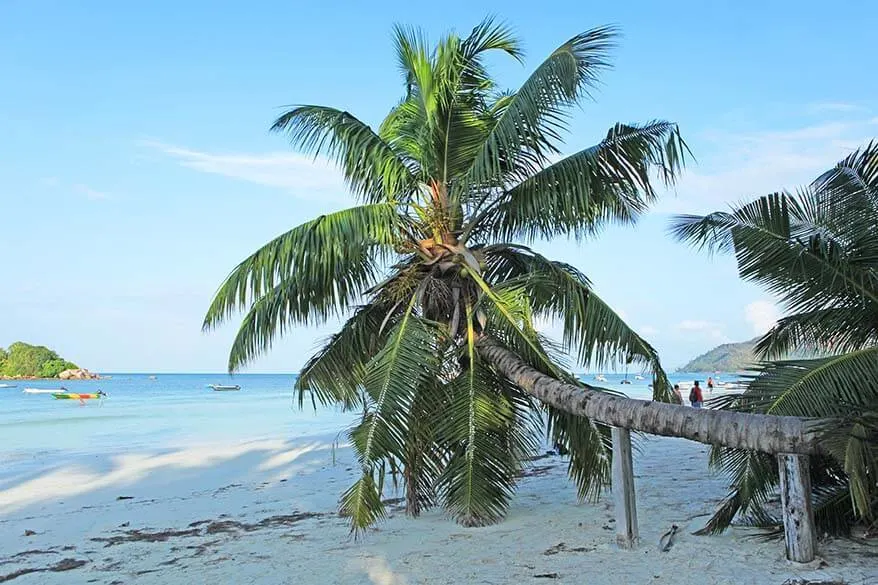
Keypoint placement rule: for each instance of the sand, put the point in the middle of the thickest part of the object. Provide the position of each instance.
(263, 512)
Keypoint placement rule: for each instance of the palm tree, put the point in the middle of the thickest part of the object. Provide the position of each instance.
(456, 180)
(817, 250)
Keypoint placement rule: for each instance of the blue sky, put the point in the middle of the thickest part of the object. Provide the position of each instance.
(136, 168)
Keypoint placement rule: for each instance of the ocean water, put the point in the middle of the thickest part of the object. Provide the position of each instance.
(171, 411)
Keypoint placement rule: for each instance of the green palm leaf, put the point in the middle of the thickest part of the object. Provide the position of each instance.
(372, 168)
(857, 173)
(817, 250)
(392, 379)
(779, 246)
(817, 388)
(591, 328)
(832, 330)
(589, 447)
(335, 374)
(582, 192)
(485, 451)
(531, 123)
(310, 273)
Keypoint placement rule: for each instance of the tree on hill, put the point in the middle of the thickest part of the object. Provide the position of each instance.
(435, 270)
(817, 250)
(22, 359)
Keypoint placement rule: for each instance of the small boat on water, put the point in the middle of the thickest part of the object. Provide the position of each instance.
(625, 381)
(44, 390)
(224, 388)
(7, 385)
(638, 377)
(78, 396)
(600, 378)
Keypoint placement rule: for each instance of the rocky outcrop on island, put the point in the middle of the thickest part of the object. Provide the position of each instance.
(22, 361)
(78, 374)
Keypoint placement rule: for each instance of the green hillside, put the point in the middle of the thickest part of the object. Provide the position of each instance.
(31, 361)
(728, 357)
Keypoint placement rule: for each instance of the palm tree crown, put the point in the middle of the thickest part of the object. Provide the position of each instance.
(817, 250)
(426, 266)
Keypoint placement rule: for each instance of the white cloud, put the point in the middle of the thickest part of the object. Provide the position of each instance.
(734, 166)
(824, 107)
(57, 185)
(761, 315)
(301, 175)
(90, 194)
(710, 330)
(690, 325)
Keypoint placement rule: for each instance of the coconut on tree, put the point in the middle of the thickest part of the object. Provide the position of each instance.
(816, 249)
(433, 270)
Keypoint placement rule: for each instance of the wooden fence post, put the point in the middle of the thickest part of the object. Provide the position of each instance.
(798, 517)
(623, 489)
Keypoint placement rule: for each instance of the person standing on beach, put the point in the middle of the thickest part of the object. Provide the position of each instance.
(710, 384)
(678, 396)
(696, 398)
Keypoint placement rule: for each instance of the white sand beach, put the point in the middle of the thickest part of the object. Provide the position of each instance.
(264, 512)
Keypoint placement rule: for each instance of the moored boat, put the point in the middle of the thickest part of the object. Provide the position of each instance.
(224, 388)
(44, 390)
(78, 395)
(7, 385)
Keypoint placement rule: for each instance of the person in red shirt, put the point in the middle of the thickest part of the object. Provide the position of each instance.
(696, 398)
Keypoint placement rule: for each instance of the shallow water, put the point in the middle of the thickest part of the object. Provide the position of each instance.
(140, 413)
(171, 411)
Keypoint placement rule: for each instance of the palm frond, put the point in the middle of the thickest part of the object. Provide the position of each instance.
(335, 373)
(830, 330)
(753, 477)
(597, 335)
(590, 449)
(820, 388)
(391, 381)
(857, 173)
(331, 257)
(582, 192)
(485, 456)
(313, 272)
(509, 315)
(530, 126)
(372, 168)
(491, 35)
(777, 244)
(362, 502)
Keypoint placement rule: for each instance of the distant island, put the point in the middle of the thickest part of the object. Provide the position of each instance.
(23, 360)
(728, 357)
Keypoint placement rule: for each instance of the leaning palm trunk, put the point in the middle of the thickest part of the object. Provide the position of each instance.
(759, 432)
(793, 439)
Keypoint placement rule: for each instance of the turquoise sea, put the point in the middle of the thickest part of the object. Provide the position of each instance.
(173, 410)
